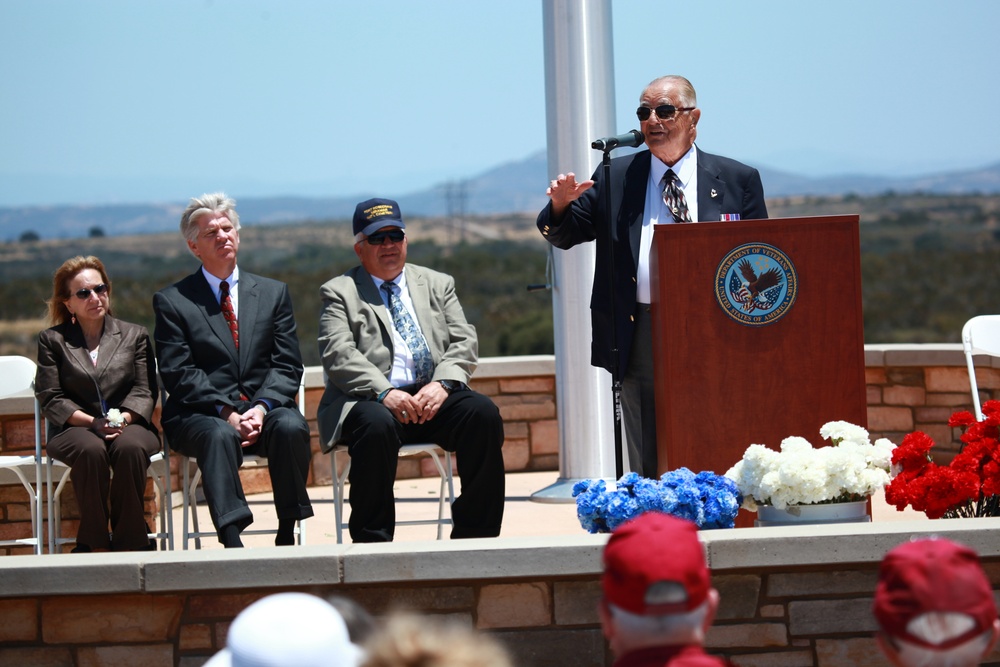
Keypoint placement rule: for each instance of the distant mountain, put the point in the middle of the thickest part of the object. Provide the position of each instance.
(985, 180)
(512, 187)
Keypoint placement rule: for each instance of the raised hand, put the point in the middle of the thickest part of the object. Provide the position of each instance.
(564, 190)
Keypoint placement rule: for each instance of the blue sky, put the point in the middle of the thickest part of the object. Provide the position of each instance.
(133, 100)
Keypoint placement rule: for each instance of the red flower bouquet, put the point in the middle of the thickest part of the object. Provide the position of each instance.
(967, 487)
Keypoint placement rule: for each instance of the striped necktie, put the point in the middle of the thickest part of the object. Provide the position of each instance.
(673, 197)
(229, 313)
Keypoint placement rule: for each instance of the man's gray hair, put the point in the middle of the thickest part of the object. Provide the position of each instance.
(936, 627)
(685, 91)
(637, 630)
(216, 202)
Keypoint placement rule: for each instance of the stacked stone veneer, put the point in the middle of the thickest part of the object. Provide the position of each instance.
(909, 387)
(918, 387)
(524, 388)
(790, 597)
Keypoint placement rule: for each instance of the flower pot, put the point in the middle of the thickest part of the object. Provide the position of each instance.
(855, 512)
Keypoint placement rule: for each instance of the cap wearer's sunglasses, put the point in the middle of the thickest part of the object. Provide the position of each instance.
(84, 293)
(394, 235)
(663, 112)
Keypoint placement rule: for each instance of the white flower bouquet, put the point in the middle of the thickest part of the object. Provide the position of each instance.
(115, 418)
(851, 469)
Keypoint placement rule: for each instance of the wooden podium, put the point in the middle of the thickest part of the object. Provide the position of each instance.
(758, 335)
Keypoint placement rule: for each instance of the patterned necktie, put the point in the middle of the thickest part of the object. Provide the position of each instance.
(229, 313)
(423, 362)
(673, 197)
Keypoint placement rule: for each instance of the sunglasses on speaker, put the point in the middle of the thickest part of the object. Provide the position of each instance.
(663, 112)
(84, 293)
(394, 235)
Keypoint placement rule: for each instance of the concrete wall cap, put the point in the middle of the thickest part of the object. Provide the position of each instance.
(477, 560)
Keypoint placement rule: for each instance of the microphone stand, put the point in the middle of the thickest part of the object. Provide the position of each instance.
(616, 380)
(630, 139)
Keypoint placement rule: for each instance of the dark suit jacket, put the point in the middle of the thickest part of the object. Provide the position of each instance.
(724, 186)
(199, 365)
(67, 380)
(355, 339)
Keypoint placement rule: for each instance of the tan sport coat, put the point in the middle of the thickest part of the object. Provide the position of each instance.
(355, 340)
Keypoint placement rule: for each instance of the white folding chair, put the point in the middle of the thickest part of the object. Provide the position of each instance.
(189, 491)
(17, 376)
(443, 468)
(159, 471)
(980, 335)
(53, 499)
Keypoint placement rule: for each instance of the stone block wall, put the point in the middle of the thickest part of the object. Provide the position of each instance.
(909, 387)
(918, 387)
(789, 597)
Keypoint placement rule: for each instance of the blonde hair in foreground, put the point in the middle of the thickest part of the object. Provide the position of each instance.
(423, 641)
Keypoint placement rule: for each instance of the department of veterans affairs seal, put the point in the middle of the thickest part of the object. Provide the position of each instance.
(756, 284)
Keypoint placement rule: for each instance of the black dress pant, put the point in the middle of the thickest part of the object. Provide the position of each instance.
(468, 424)
(639, 399)
(284, 441)
(92, 459)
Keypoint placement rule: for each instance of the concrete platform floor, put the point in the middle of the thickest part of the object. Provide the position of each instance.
(417, 499)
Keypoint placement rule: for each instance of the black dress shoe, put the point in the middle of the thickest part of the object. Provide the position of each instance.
(229, 536)
(81, 548)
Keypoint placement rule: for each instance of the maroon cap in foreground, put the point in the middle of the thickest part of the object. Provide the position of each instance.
(655, 565)
(932, 575)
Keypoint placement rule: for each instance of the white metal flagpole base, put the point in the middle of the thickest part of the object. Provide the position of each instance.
(560, 492)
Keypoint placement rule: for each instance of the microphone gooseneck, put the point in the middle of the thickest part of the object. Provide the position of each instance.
(630, 139)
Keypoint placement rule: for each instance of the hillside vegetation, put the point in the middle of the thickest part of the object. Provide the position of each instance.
(928, 264)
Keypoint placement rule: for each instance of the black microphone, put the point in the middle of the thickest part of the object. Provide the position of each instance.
(630, 139)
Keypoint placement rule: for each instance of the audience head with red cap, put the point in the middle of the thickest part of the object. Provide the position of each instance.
(656, 584)
(934, 605)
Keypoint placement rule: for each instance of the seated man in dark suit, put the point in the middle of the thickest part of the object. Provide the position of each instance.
(229, 358)
(398, 352)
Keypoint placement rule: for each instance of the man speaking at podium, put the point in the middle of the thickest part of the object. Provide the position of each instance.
(672, 182)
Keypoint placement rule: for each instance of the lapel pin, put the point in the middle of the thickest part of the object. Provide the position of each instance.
(713, 194)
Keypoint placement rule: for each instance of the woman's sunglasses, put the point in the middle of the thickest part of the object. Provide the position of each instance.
(84, 293)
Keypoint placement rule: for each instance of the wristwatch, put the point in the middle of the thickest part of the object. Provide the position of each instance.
(450, 385)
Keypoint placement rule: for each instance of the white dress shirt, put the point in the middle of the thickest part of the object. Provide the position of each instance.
(403, 370)
(234, 294)
(656, 212)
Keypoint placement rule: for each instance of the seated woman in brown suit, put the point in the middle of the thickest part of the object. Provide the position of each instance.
(96, 383)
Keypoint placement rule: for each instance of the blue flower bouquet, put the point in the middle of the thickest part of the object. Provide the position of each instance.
(707, 499)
